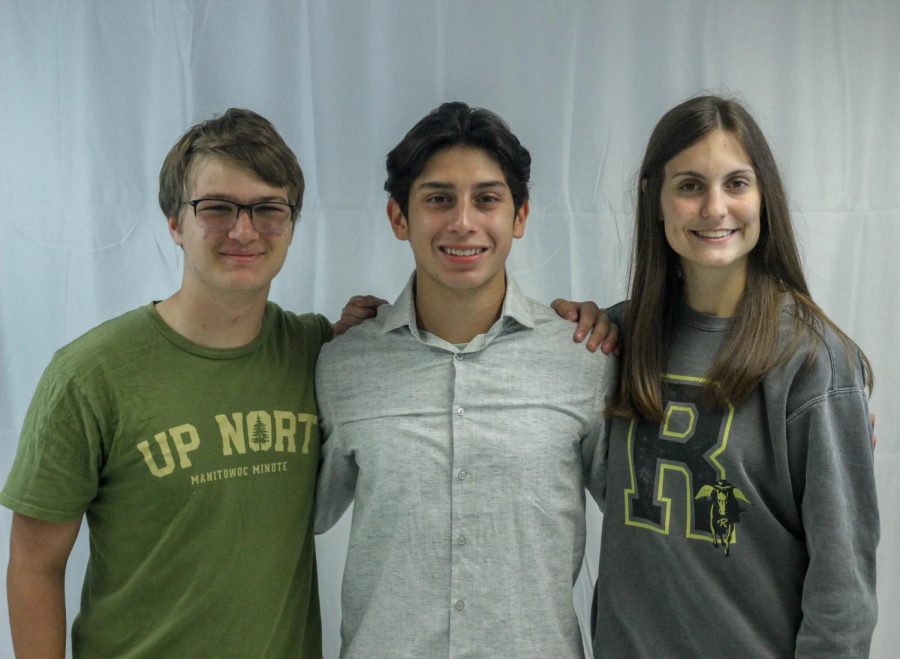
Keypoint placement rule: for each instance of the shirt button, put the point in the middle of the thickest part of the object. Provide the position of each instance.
(461, 540)
(460, 605)
(462, 474)
(458, 357)
(460, 411)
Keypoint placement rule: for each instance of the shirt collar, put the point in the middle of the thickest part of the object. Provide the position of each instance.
(403, 312)
(515, 305)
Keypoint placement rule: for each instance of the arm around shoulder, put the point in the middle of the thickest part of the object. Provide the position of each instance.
(35, 583)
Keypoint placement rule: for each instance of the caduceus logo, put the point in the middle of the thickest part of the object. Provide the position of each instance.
(724, 511)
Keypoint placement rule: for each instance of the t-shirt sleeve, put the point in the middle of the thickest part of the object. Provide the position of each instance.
(840, 519)
(325, 328)
(55, 474)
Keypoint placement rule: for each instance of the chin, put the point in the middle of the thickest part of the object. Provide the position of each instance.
(246, 283)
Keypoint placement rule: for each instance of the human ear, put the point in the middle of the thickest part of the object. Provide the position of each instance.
(174, 225)
(399, 224)
(519, 220)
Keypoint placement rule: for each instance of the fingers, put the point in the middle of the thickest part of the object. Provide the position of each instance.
(338, 328)
(611, 342)
(362, 306)
(604, 334)
(565, 308)
(594, 322)
(357, 309)
(591, 321)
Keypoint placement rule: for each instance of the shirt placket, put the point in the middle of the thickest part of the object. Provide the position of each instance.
(462, 474)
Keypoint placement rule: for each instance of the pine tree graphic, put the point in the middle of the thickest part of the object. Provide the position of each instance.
(260, 437)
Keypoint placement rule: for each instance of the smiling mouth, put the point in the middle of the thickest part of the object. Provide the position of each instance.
(240, 255)
(719, 233)
(472, 251)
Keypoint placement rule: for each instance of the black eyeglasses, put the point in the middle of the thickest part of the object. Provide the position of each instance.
(220, 215)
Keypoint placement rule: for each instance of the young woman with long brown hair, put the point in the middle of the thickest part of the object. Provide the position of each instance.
(741, 516)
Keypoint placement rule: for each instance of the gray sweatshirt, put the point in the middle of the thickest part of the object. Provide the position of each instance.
(745, 532)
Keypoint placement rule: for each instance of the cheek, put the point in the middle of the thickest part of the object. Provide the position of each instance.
(673, 236)
(419, 243)
(678, 210)
(674, 212)
(753, 231)
(751, 212)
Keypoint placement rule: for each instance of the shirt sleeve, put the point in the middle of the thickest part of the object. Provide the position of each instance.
(336, 483)
(595, 446)
(840, 519)
(595, 450)
(55, 474)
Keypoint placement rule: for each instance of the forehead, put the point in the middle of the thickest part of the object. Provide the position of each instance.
(461, 165)
(210, 175)
(719, 150)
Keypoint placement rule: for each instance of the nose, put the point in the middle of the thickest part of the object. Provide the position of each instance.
(243, 229)
(714, 206)
(462, 218)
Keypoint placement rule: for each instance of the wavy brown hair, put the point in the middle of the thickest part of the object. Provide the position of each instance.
(751, 347)
(239, 137)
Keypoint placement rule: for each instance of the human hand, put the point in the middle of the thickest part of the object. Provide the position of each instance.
(357, 309)
(591, 321)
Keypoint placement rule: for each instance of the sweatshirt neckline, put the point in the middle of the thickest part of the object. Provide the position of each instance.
(701, 320)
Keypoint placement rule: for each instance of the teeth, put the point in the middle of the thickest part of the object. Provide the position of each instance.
(715, 234)
(463, 252)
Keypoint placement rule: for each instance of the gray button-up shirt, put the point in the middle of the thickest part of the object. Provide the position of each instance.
(468, 468)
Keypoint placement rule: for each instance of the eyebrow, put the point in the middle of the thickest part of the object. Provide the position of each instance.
(444, 185)
(231, 198)
(691, 173)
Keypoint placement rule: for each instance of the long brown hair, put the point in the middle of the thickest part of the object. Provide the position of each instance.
(751, 347)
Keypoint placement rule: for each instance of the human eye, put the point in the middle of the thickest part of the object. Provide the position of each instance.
(271, 210)
(488, 198)
(215, 215)
(739, 184)
(215, 207)
(271, 217)
(438, 199)
(689, 187)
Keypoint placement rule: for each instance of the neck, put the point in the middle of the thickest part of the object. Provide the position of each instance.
(215, 322)
(715, 293)
(457, 316)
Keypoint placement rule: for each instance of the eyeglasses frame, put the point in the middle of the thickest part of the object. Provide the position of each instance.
(241, 207)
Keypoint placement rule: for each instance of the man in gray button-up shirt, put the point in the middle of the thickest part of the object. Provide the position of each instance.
(463, 421)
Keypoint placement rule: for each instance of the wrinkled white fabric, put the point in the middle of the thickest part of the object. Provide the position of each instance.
(93, 94)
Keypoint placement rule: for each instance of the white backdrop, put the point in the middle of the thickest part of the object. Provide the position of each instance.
(92, 94)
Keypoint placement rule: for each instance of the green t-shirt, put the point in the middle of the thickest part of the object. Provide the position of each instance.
(195, 468)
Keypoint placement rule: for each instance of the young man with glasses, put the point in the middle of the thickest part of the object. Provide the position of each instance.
(186, 432)
(463, 422)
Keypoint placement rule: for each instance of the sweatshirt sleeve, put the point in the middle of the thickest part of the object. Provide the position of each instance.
(831, 435)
